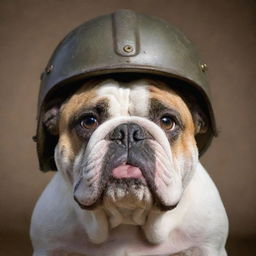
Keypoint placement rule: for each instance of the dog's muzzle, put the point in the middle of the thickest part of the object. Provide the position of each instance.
(125, 157)
(129, 140)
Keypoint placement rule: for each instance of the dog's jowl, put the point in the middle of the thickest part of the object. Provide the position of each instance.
(125, 138)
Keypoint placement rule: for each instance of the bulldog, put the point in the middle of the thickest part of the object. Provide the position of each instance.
(129, 180)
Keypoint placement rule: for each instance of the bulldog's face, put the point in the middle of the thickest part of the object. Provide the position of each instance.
(126, 147)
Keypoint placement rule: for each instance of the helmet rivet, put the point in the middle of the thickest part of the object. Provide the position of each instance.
(204, 67)
(49, 69)
(128, 48)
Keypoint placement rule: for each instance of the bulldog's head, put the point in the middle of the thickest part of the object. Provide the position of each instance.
(125, 146)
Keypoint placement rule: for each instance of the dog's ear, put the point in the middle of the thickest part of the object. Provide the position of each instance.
(51, 116)
(200, 121)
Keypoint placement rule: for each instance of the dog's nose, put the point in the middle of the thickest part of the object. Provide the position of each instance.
(128, 134)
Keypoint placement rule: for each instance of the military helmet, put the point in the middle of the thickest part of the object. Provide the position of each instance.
(120, 43)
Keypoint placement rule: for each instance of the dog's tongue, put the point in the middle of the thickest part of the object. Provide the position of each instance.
(126, 171)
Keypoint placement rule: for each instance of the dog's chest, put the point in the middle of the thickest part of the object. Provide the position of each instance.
(126, 240)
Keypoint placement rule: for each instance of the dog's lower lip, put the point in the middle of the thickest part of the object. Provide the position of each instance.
(126, 171)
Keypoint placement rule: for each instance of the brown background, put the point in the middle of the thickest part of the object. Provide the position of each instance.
(224, 32)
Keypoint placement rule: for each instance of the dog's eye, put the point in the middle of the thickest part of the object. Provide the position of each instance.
(167, 123)
(89, 122)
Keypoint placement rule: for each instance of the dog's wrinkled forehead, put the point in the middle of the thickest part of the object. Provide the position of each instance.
(113, 98)
(125, 98)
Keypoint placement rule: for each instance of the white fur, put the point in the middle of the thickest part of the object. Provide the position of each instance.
(125, 98)
(197, 226)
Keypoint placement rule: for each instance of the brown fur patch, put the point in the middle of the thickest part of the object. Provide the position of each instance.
(86, 95)
(170, 98)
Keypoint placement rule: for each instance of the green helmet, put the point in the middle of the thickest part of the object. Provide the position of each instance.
(117, 43)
